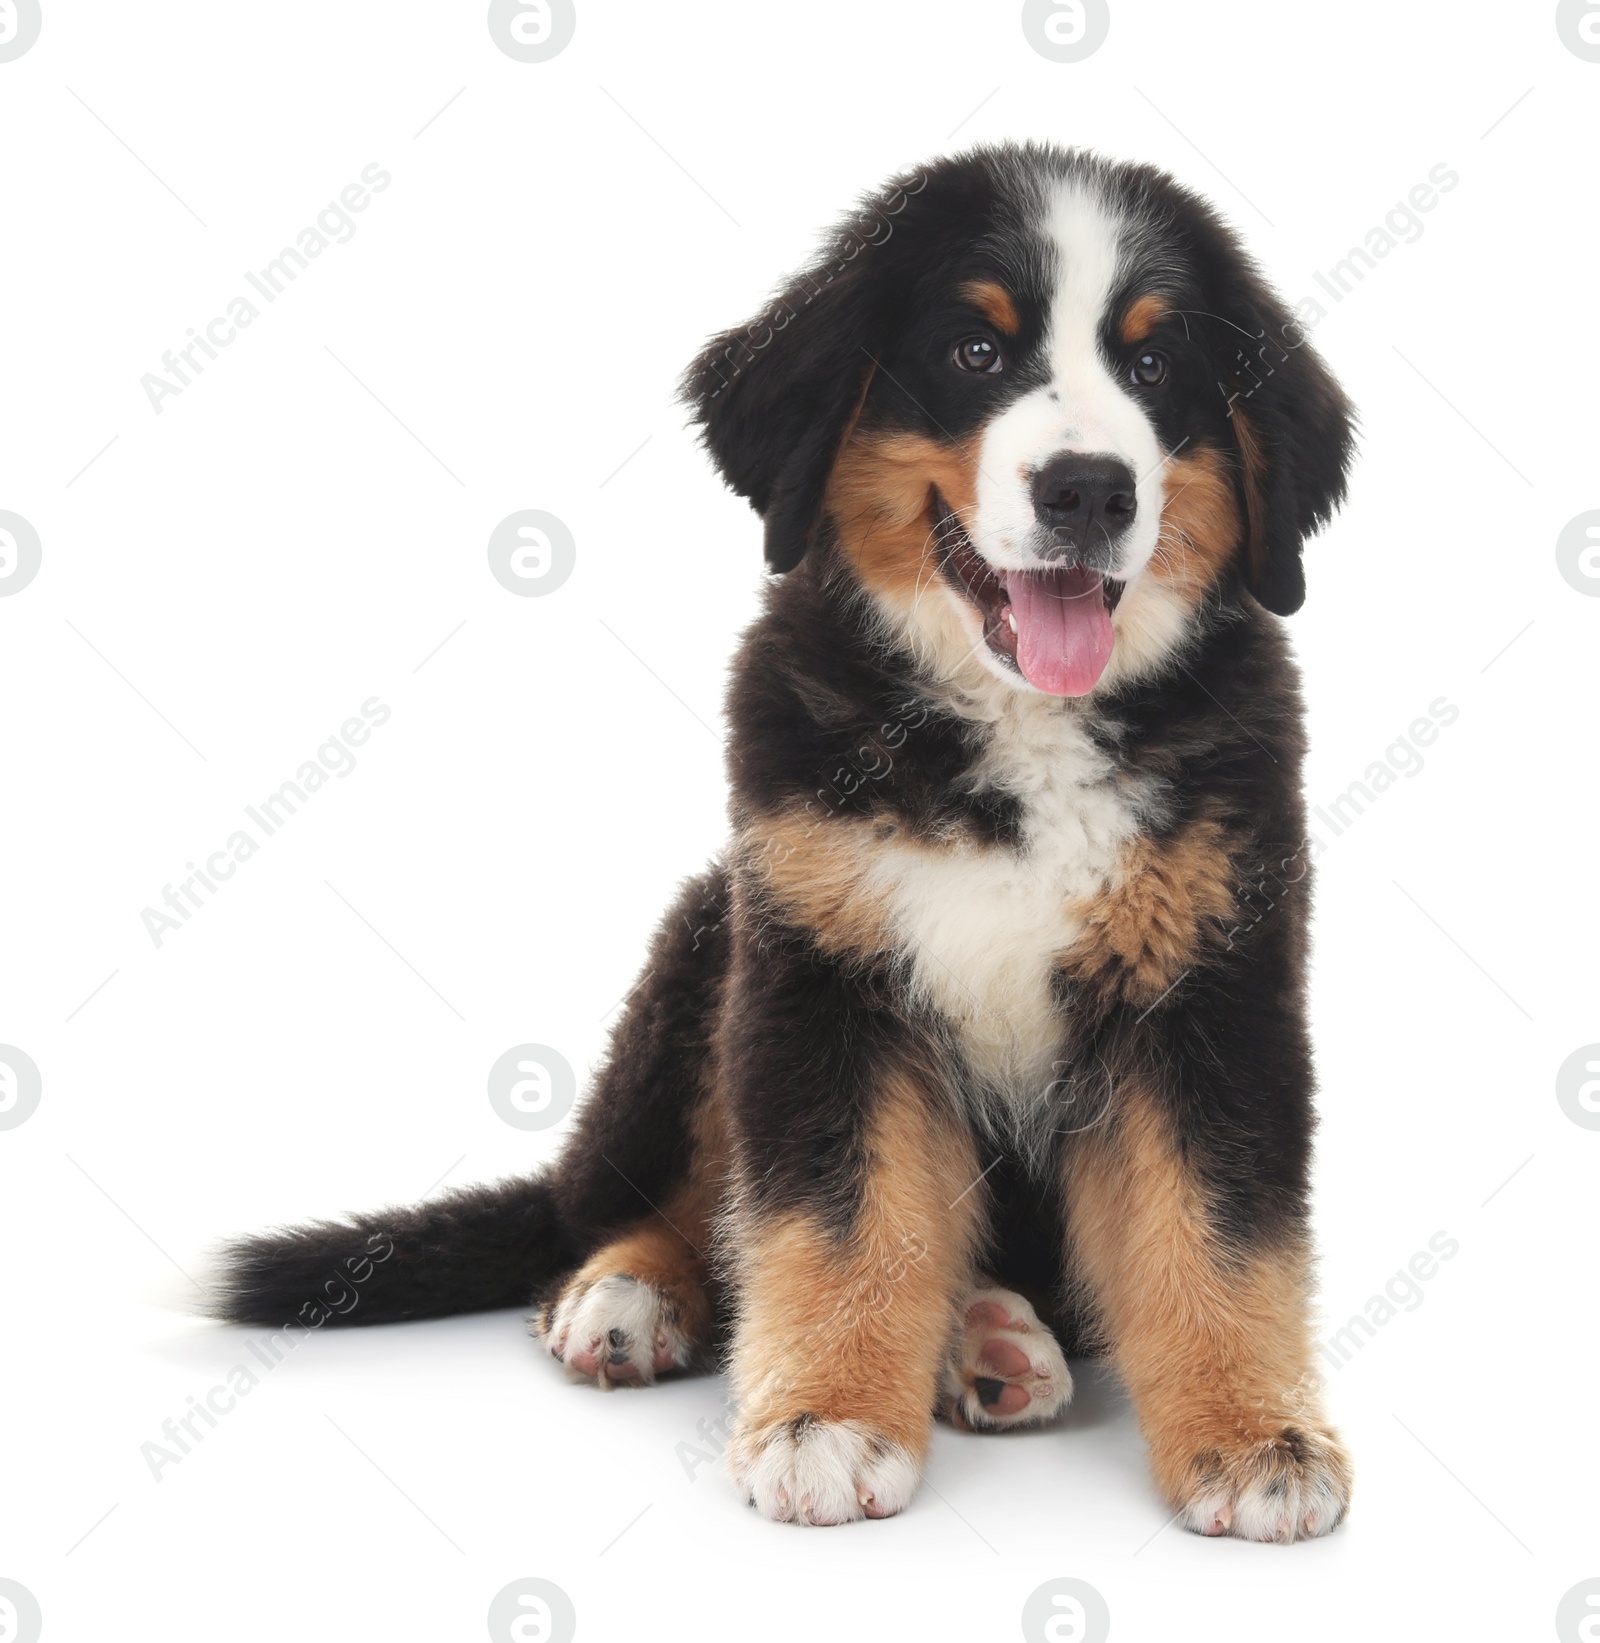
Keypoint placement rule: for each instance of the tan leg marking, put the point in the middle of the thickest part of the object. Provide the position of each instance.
(840, 1343)
(1215, 1347)
(645, 1302)
(1152, 920)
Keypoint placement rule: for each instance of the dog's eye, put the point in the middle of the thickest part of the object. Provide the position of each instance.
(978, 354)
(1149, 369)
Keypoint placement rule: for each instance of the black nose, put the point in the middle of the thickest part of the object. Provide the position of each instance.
(1084, 504)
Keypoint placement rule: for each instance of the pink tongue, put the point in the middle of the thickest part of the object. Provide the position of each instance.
(1064, 635)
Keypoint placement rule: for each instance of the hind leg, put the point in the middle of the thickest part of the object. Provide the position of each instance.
(636, 1308)
(648, 1156)
(1005, 1368)
(645, 1301)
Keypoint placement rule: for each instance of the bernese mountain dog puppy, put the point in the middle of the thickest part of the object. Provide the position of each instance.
(986, 1041)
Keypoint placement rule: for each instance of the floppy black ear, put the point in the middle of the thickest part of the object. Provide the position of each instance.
(776, 398)
(1294, 430)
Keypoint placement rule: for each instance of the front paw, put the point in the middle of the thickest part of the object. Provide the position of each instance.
(1291, 1485)
(814, 1471)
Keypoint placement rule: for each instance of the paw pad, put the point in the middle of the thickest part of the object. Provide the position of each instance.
(1006, 1368)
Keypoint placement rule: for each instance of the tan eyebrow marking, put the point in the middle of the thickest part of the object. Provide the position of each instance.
(1142, 317)
(994, 303)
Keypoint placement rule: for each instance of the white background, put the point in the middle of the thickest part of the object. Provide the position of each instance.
(305, 526)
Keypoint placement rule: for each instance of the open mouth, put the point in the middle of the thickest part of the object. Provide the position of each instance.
(1053, 626)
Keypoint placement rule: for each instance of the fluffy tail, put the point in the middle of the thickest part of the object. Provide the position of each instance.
(469, 1250)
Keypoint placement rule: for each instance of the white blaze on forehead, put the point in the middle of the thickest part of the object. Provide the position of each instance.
(1088, 241)
(1083, 407)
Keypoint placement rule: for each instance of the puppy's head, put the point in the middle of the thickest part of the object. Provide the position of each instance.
(1043, 405)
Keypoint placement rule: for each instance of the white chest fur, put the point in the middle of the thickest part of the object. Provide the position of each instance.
(983, 927)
